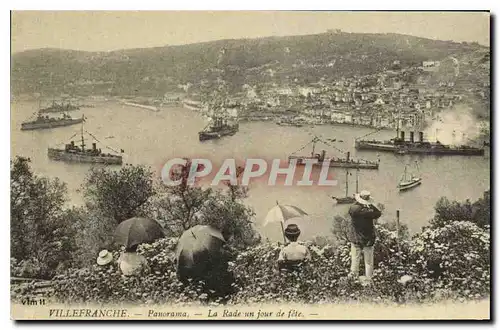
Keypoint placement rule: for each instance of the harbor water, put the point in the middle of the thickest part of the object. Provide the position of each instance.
(151, 138)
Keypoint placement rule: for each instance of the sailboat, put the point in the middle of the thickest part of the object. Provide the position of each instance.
(80, 154)
(347, 199)
(408, 180)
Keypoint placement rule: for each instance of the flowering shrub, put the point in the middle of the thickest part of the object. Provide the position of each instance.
(107, 284)
(323, 279)
(260, 280)
(29, 268)
(447, 262)
(457, 258)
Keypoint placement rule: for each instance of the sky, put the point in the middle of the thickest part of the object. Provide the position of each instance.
(111, 30)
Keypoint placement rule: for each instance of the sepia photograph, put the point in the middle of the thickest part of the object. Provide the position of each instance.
(250, 165)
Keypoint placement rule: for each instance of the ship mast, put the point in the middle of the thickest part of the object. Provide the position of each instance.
(314, 145)
(346, 182)
(357, 174)
(397, 124)
(83, 141)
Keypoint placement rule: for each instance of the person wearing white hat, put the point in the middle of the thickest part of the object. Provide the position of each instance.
(104, 258)
(362, 234)
(132, 263)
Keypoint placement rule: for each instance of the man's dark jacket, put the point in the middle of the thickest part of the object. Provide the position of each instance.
(362, 231)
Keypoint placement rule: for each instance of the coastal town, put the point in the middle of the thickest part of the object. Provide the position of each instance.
(415, 95)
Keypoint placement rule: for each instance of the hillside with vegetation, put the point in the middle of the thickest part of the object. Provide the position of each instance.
(154, 71)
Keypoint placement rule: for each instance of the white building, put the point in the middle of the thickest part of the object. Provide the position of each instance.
(430, 65)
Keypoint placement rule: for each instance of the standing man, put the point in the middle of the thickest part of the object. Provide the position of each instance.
(362, 234)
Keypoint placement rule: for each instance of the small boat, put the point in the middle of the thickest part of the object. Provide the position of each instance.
(408, 180)
(79, 154)
(347, 199)
(283, 122)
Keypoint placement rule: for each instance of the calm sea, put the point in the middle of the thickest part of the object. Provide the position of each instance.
(153, 137)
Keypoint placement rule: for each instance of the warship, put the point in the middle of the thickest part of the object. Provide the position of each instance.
(46, 122)
(59, 107)
(223, 118)
(79, 154)
(400, 145)
(218, 128)
(346, 162)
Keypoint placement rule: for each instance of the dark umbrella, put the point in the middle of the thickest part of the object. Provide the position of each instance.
(198, 250)
(136, 231)
(198, 239)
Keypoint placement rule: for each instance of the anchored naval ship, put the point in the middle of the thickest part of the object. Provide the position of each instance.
(401, 145)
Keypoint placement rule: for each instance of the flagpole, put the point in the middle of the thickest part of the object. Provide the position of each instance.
(282, 228)
(283, 232)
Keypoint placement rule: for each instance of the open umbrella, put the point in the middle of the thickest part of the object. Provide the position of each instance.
(136, 231)
(197, 249)
(281, 213)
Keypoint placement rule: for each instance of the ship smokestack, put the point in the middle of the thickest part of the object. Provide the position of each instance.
(72, 143)
(323, 154)
(412, 138)
(94, 146)
(348, 155)
(403, 136)
(421, 134)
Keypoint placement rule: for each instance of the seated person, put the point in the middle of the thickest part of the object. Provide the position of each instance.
(132, 263)
(293, 253)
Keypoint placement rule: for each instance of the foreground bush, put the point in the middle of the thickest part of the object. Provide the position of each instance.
(104, 284)
(447, 262)
(456, 257)
(42, 238)
(323, 279)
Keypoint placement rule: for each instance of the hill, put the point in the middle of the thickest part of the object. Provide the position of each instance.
(153, 71)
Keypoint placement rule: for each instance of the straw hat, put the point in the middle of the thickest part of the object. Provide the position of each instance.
(364, 197)
(105, 257)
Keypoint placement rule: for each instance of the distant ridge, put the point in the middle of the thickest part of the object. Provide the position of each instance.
(153, 71)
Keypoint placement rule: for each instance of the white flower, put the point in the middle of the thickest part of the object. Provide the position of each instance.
(405, 279)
